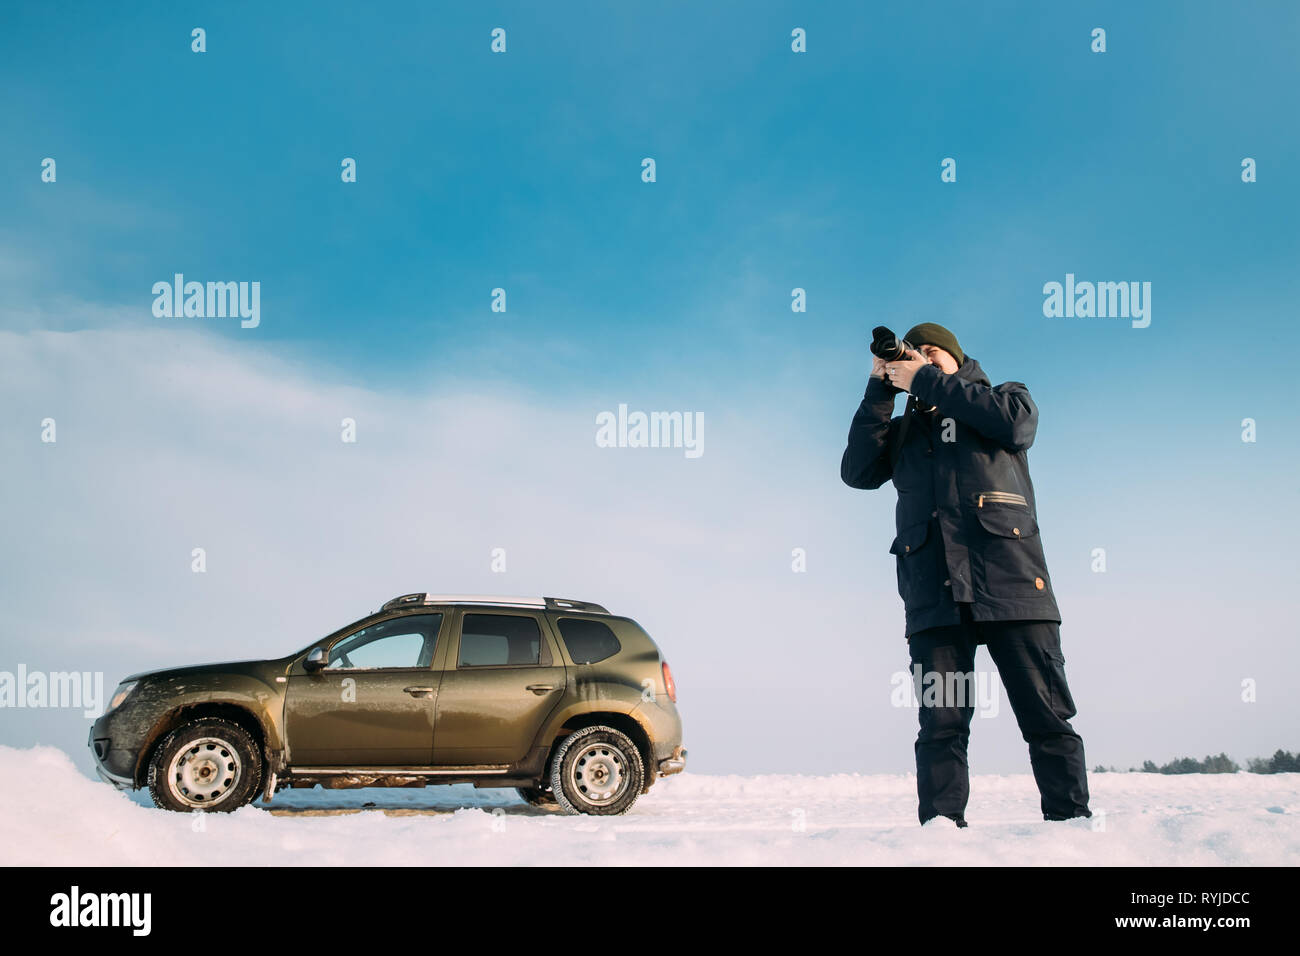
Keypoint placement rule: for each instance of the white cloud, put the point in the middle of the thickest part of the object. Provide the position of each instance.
(172, 439)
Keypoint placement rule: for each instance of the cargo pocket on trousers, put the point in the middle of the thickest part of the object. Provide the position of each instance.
(1061, 701)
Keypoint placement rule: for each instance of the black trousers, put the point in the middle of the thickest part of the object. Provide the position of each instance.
(1029, 661)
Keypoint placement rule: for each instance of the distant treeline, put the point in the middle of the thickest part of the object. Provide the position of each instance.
(1280, 762)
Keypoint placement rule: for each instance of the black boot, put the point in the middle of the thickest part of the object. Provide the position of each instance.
(957, 819)
(1075, 816)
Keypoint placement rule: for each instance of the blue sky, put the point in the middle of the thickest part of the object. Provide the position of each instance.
(521, 170)
(775, 170)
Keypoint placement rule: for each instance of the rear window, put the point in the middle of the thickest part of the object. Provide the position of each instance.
(588, 641)
(499, 640)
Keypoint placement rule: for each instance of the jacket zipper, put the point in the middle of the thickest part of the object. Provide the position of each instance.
(1001, 497)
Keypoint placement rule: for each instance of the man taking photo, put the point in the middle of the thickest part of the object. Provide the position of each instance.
(971, 568)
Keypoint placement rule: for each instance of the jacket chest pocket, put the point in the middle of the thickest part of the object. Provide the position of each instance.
(1009, 554)
(918, 551)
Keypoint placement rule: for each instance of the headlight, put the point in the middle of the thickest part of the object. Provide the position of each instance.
(123, 691)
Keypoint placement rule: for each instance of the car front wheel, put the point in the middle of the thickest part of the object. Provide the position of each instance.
(597, 770)
(207, 765)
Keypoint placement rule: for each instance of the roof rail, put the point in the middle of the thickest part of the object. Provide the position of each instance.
(568, 604)
(403, 600)
(550, 603)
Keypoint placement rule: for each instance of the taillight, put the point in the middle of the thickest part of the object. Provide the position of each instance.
(669, 686)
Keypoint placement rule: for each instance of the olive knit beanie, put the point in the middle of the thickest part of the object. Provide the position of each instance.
(929, 333)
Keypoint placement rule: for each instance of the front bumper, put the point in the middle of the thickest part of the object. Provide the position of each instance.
(674, 764)
(99, 748)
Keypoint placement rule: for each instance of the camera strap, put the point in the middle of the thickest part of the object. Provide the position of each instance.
(909, 411)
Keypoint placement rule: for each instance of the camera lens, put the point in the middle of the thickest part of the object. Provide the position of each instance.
(885, 344)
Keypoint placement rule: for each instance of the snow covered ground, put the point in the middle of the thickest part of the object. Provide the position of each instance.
(51, 813)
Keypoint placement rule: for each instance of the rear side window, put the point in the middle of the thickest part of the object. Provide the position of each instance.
(588, 641)
(496, 640)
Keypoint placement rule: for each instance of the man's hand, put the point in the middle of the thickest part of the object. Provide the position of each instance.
(900, 374)
(877, 367)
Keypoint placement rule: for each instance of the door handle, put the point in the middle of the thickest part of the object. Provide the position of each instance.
(418, 691)
(540, 689)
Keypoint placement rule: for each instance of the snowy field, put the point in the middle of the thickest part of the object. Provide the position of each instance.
(51, 813)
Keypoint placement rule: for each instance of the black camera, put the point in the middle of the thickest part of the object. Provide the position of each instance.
(888, 346)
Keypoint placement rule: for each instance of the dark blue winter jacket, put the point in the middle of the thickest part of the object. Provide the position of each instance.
(966, 519)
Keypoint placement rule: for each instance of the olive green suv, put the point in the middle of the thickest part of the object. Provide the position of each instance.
(573, 706)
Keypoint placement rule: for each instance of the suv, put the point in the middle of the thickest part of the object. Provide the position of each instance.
(568, 703)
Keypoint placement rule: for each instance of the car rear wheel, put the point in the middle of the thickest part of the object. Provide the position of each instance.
(206, 765)
(597, 770)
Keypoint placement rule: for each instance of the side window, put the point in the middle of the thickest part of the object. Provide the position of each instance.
(588, 641)
(398, 642)
(496, 640)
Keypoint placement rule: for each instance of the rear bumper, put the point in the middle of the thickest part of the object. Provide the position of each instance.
(674, 764)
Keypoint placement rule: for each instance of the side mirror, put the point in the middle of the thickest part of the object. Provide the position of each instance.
(315, 660)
